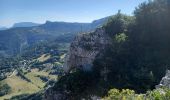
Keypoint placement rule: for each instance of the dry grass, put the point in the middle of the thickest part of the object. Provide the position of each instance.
(62, 56)
(43, 57)
(20, 86)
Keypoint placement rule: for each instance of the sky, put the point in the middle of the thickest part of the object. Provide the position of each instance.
(39, 11)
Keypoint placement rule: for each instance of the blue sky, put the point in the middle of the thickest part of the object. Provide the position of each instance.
(13, 11)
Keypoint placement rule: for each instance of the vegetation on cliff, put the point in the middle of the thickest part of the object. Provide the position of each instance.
(138, 55)
(140, 61)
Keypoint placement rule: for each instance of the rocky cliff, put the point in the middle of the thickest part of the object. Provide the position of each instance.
(84, 49)
(165, 82)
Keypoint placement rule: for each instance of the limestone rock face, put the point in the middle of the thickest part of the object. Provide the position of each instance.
(165, 82)
(84, 49)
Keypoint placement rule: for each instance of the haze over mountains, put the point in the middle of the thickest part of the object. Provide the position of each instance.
(25, 24)
(3, 28)
(13, 40)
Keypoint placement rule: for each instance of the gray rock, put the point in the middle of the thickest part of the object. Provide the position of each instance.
(84, 49)
(165, 82)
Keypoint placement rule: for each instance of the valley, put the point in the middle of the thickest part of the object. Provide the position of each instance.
(36, 70)
(21, 86)
(119, 57)
(35, 57)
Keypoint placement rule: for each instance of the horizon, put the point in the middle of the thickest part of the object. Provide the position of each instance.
(40, 11)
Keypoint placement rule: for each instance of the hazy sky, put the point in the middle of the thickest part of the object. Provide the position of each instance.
(12, 11)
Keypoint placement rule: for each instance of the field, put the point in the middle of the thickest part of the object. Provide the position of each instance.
(21, 86)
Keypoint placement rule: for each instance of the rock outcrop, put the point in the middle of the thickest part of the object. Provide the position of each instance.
(165, 82)
(84, 49)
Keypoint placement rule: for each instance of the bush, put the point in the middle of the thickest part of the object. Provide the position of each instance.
(126, 94)
(4, 89)
(77, 84)
(19, 97)
(121, 37)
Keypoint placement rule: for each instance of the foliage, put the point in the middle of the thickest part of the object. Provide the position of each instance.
(21, 74)
(4, 89)
(140, 61)
(119, 38)
(137, 57)
(77, 84)
(87, 47)
(118, 23)
(19, 97)
(125, 94)
(157, 94)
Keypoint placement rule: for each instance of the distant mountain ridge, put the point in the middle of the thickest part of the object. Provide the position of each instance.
(12, 41)
(25, 24)
(3, 28)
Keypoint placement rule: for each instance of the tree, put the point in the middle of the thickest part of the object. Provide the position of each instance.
(4, 89)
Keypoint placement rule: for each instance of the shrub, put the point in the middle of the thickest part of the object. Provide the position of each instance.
(126, 94)
(4, 89)
(121, 37)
